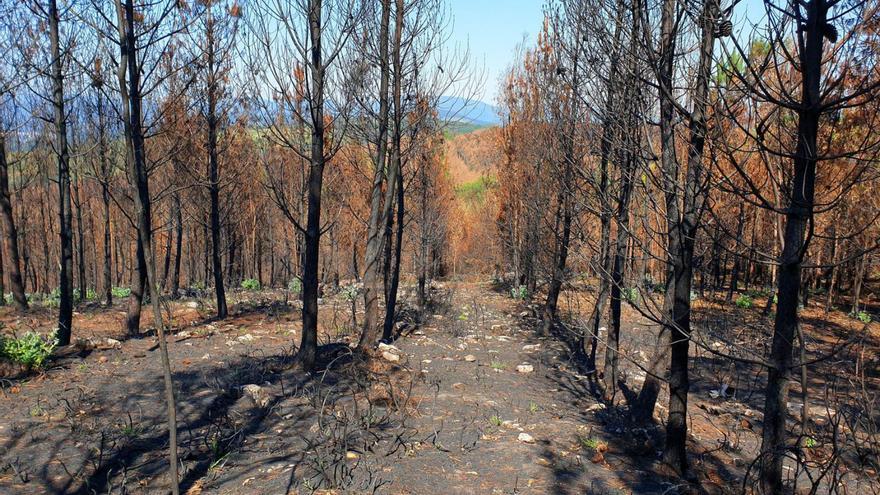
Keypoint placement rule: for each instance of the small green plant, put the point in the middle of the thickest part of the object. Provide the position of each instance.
(533, 407)
(250, 284)
(30, 350)
(131, 431)
(120, 292)
(809, 442)
(497, 365)
(463, 317)
(863, 317)
(744, 301)
(496, 420)
(630, 294)
(520, 292)
(90, 294)
(349, 292)
(295, 286)
(588, 443)
(36, 411)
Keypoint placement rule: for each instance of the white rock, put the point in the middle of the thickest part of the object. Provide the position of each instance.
(470, 358)
(531, 347)
(525, 368)
(525, 438)
(246, 338)
(192, 305)
(256, 393)
(114, 343)
(389, 348)
(390, 357)
(596, 407)
(206, 356)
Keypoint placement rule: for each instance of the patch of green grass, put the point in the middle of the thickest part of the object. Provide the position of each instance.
(475, 190)
(744, 301)
(520, 293)
(30, 350)
(120, 292)
(496, 420)
(497, 365)
(588, 443)
(533, 407)
(250, 284)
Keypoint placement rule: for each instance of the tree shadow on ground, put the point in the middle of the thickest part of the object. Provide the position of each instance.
(114, 439)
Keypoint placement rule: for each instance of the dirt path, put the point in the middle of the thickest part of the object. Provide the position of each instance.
(511, 410)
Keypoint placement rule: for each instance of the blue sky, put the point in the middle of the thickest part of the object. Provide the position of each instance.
(493, 28)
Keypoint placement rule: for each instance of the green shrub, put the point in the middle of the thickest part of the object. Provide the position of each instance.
(120, 292)
(864, 317)
(30, 350)
(630, 294)
(520, 292)
(350, 292)
(295, 286)
(250, 284)
(90, 294)
(744, 301)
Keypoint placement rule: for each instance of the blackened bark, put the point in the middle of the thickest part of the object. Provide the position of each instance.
(178, 246)
(799, 213)
(213, 90)
(65, 311)
(659, 360)
(130, 91)
(309, 342)
(391, 302)
(379, 211)
(10, 234)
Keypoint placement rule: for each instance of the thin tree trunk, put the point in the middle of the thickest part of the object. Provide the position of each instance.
(379, 211)
(131, 102)
(800, 210)
(65, 311)
(10, 233)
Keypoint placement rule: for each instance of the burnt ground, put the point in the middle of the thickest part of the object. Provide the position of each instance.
(447, 410)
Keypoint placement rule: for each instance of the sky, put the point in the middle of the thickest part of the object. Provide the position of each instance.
(493, 29)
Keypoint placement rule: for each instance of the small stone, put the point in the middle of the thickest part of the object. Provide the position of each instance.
(192, 305)
(206, 356)
(351, 455)
(596, 407)
(525, 368)
(390, 348)
(470, 358)
(114, 343)
(524, 314)
(103, 359)
(525, 438)
(390, 357)
(246, 338)
(256, 393)
(531, 347)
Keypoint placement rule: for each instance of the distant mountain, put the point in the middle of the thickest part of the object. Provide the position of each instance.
(478, 113)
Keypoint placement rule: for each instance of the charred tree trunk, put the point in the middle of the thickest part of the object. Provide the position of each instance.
(798, 215)
(309, 342)
(65, 311)
(10, 234)
(659, 360)
(379, 209)
(130, 91)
